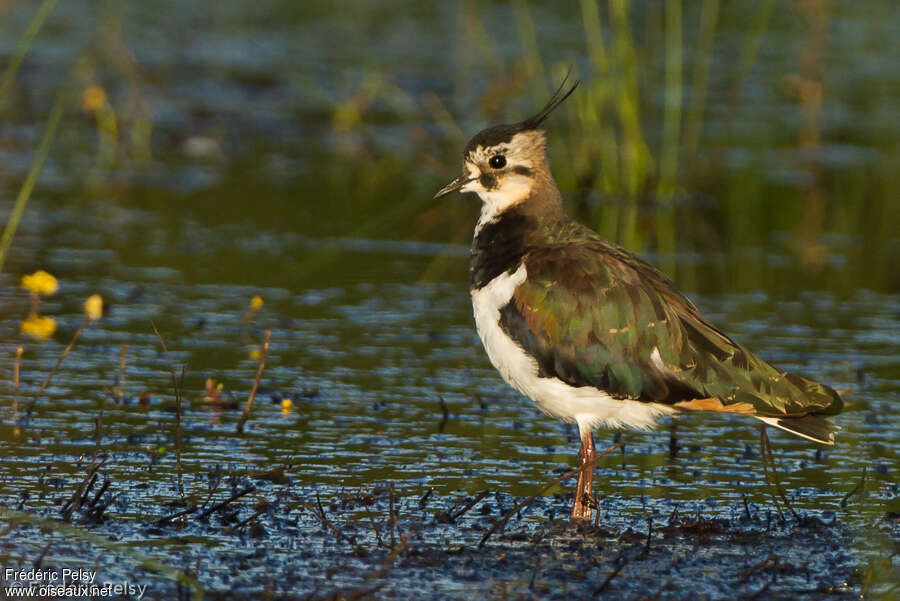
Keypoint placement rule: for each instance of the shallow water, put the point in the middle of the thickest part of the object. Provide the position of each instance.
(254, 188)
(366, 364)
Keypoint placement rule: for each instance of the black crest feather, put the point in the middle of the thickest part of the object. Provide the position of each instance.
(504, 133)
(557, 99)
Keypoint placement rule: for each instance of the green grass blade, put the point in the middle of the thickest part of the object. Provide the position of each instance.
(668, 164)
(758, 27)
(22, 47)
(709, 16)
(25, 192)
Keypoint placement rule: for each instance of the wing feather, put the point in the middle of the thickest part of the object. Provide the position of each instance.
(595, 315)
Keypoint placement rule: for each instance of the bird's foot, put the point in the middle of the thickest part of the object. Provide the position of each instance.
(584, 507)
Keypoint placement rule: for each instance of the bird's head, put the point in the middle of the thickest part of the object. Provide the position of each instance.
(503, 164)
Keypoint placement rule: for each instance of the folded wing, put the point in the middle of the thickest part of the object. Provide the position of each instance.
(593, 314)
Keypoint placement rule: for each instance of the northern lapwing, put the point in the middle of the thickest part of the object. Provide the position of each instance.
(591, 332)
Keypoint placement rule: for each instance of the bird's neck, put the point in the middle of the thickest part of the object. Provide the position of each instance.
(503, 237)
(539, 196)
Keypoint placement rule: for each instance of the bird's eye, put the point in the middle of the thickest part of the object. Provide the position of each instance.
(498, 161)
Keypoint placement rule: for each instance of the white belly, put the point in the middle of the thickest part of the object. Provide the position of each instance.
(585, 405)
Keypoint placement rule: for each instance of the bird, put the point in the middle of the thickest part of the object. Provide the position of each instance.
(594, 334)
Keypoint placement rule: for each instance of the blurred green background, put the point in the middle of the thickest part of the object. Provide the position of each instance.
(195, 154)
(699, 128)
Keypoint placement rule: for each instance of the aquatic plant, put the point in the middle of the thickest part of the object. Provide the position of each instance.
(93, 307)
(38, 284)
(40, 327)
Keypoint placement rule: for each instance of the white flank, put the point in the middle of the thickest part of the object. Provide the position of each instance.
(589, 407)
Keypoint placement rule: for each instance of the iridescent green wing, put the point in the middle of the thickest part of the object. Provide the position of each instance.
(593, 314)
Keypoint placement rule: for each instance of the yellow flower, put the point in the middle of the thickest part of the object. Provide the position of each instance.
(256, 304)
(255, 354)
(286, 405)
(40, 282)
(38, 326)
(93, 98)
(93, 306)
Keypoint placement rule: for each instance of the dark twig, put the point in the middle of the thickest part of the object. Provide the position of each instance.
(423, 502)
(319, 505)
(771, 560)
(386, 566)
(259, 370)
(656, 594)
(214, 487)
(98, 434)
(649, 536)
(226, 502)
(465, 509)
(389, 560)
(392, 517)
(762, 456)
(53, 371)
(856, 489)
(775, 477)
(96, 512)
(375, 529)
(174, 516)
(672, 517)
(534, 572)
(767, 451)
(100, 492)
(96, 509)
(746, 505)
(674, 447)
(177, 390)
(87, 490)
(445, 415)
(320, 513)
(448, 515)
(120, 380)
(757, 594)
(621, 561)
(79, 497)
(500, 524)
(246, 521)
(179, 411)
(75, 501)
(40, 558)
(20, 350)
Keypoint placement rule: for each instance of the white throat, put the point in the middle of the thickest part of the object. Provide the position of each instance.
(514, 190)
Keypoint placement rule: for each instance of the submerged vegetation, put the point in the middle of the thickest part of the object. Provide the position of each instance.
(344, 438)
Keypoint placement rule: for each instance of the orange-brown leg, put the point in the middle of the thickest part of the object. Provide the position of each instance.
(583, 493)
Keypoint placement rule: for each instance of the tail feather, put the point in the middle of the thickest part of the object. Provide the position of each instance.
(811, 427)
(819, 398)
